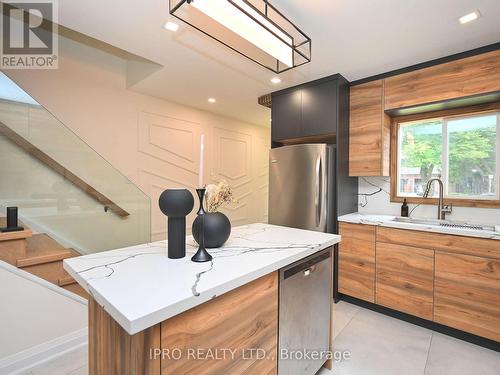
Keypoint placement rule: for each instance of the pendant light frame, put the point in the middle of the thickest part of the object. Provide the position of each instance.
(300, 46)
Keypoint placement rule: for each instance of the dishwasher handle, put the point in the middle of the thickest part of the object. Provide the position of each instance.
(308, 271)
(306, 267)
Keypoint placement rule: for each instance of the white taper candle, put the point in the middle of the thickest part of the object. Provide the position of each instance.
(202, 161)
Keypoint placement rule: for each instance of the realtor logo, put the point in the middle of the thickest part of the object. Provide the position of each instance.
(29, 34)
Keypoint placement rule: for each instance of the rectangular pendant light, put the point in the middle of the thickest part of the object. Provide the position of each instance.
(255, 21)
(245, 21)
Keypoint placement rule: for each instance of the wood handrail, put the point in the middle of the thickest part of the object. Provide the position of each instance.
(60, 169)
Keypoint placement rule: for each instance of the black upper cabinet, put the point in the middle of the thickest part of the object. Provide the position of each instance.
(319, 108)
(310, 109)
(286, 111)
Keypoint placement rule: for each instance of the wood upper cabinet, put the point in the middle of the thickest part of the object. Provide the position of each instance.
(369, 131)
(467, 294)
(473, 75)
(405, 279)
(357, 261)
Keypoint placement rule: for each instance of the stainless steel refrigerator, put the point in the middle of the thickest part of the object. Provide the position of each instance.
(310, 187)
(300, 186)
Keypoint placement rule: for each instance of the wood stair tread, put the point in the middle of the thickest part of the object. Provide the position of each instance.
(41, 259)
(43, 244)
(7, 236)
(42, 249)
(39, 255)
(67, 280)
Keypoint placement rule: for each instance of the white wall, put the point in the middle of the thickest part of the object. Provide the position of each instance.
(33, 315)
(381, 204)
(153, 142)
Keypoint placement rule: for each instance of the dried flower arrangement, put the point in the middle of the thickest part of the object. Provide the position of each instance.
(217, 195)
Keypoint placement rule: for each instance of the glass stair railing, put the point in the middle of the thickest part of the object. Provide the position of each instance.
(61, 185)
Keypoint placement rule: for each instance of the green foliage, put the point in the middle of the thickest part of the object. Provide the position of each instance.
(421, 146)
(471, 152)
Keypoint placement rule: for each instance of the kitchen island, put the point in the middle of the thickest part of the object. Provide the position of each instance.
(149, 314)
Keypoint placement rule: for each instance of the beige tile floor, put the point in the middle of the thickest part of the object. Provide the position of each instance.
(381, 345)
(378, 345)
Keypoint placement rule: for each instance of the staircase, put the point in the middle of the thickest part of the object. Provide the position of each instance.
(39, 255)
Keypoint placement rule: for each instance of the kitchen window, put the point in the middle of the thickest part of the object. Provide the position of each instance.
(462, 150)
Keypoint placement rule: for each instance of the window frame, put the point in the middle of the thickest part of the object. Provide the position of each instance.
(468, 112)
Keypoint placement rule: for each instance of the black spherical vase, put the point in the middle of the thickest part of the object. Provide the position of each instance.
(176, 204)
(217, 229)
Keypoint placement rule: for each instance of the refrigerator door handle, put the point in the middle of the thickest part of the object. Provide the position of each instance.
(317, 194)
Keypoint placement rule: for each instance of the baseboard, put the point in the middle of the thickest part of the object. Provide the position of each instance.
(456, 333)
(23, 362)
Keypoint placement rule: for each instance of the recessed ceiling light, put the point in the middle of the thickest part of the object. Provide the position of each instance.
(469, 17)
(275, 80)
(211, 100)
(171, 26)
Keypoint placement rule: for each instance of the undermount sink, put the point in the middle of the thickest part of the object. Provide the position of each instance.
(444, 223)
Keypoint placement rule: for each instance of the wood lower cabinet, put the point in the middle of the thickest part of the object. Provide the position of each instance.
(443, 242)
(405, 279)
(357, 261)
(467, 293)
(449, 279)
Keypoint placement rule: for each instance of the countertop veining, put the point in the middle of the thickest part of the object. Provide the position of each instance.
(140, 286)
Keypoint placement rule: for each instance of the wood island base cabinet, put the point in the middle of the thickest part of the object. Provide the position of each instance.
(241, 320)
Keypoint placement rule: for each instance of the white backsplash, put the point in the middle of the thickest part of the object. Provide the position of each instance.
(381, 204)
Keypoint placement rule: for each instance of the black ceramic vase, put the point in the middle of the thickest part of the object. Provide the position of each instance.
(176, 204)
(217, 229)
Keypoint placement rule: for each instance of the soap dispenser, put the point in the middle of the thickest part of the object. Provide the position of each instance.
(404, 209)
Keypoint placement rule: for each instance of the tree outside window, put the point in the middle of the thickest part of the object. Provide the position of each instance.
(462, 151)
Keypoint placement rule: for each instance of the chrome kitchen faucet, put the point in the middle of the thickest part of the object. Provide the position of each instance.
(442, 208)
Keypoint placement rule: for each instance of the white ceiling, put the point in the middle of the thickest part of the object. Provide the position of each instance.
(357, 38)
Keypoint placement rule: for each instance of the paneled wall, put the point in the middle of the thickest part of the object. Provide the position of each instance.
(154, 142)
(169, 150)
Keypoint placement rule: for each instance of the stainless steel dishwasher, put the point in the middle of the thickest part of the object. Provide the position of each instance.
(305, 300)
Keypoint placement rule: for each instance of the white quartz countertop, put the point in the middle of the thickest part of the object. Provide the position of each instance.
(387, 221)
(140, 286)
